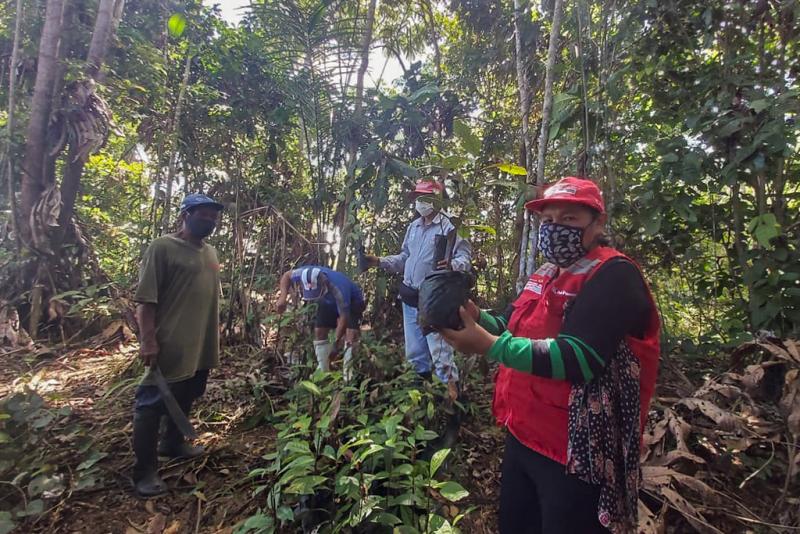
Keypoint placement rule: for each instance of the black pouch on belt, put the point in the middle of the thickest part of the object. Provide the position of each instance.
(409, 295)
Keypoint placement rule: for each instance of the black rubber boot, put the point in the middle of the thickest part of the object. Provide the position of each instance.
(423, 378)
(174, 444)
(145, 439)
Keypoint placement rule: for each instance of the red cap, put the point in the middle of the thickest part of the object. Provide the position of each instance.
(570, 189)
(427, 187)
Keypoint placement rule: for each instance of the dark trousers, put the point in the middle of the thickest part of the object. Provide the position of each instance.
(538, 497)
(149, 409)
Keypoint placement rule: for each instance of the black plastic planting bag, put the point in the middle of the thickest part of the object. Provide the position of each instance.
(440, 296)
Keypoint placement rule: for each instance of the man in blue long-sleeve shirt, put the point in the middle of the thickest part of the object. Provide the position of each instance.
(416, 260)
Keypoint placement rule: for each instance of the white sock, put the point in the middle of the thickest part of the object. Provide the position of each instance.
(323, 348)
(347, 365)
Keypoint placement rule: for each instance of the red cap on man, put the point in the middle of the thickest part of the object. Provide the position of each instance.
(570, 189)
(427, 187)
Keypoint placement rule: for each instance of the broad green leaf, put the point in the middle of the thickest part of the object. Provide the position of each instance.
(259, 523)
(4, 438)
(311, 387)
(403, 469)
(511, 168)
(760, 105)
(91, 460)
(469, 141)
(438, 459)
(176, 25)
(423, 92)
(764, 228)
(484, 228)
(402, 168)
(387, 519)
(453, 491)
(284, 513)
(6, 524)
(305, 485)
(652, 225)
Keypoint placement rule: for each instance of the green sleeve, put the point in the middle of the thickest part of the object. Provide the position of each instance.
(513, 352)
(494, 324)
(150, 275)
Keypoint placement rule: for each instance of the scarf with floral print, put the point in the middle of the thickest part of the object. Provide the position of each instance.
(604, 439)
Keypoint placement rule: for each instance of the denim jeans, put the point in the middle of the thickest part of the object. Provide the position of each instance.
(427, 353)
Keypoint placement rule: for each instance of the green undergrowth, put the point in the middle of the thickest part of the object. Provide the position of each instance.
(45, 456)
(357, 457)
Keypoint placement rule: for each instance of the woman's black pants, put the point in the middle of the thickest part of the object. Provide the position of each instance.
(537, 496)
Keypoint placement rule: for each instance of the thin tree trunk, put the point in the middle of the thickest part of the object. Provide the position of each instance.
(36, 136)
(523, 84)
(584, 164)
(98, 47)
(524, 89)
(173, 159)
(349, 186)
(528, 246)
(10, 123)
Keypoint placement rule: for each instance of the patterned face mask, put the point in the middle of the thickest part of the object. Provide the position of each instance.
(560, 244)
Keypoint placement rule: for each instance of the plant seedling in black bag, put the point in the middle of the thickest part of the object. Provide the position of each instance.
(441, 294)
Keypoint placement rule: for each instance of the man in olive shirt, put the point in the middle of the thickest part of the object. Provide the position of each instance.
(178, 316)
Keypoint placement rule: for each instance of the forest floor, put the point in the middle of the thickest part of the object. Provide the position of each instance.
(208, 494)
(721, 451)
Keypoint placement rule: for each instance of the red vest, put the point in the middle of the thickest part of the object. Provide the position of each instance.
(535, 408)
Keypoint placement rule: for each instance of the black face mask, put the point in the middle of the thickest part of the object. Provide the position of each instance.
(200, 228)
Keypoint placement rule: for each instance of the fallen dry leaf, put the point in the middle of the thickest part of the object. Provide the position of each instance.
(792, 348)
(648, 523)
(790, 402)
(752, 377)
(724, 419)
(173, 528)
(675, 455)
(156, 524)
(679, 428)
(688, 511)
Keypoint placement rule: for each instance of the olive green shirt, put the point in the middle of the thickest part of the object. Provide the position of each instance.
(182, 280)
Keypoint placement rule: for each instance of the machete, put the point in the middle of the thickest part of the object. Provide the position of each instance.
(175, 412)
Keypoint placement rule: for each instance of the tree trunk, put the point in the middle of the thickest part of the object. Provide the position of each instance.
(10, 123)
(584, 164)
(523, 84)
(528, 245)
(173, 159)
(103, 27)
(98, 49)
(349, 186)
(524, 89)
(36, 149)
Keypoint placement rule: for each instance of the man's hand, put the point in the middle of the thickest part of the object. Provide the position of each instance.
(148, 350)
(280, 305)
(372, 261)
(472, 338)
(442, 265)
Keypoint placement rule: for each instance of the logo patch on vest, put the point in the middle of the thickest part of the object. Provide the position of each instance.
(563, 292)
(533, 286)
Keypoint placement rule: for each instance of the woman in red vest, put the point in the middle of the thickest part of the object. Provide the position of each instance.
(578, 353)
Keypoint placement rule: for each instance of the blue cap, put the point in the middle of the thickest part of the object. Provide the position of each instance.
(198, 199)
(309, 280)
